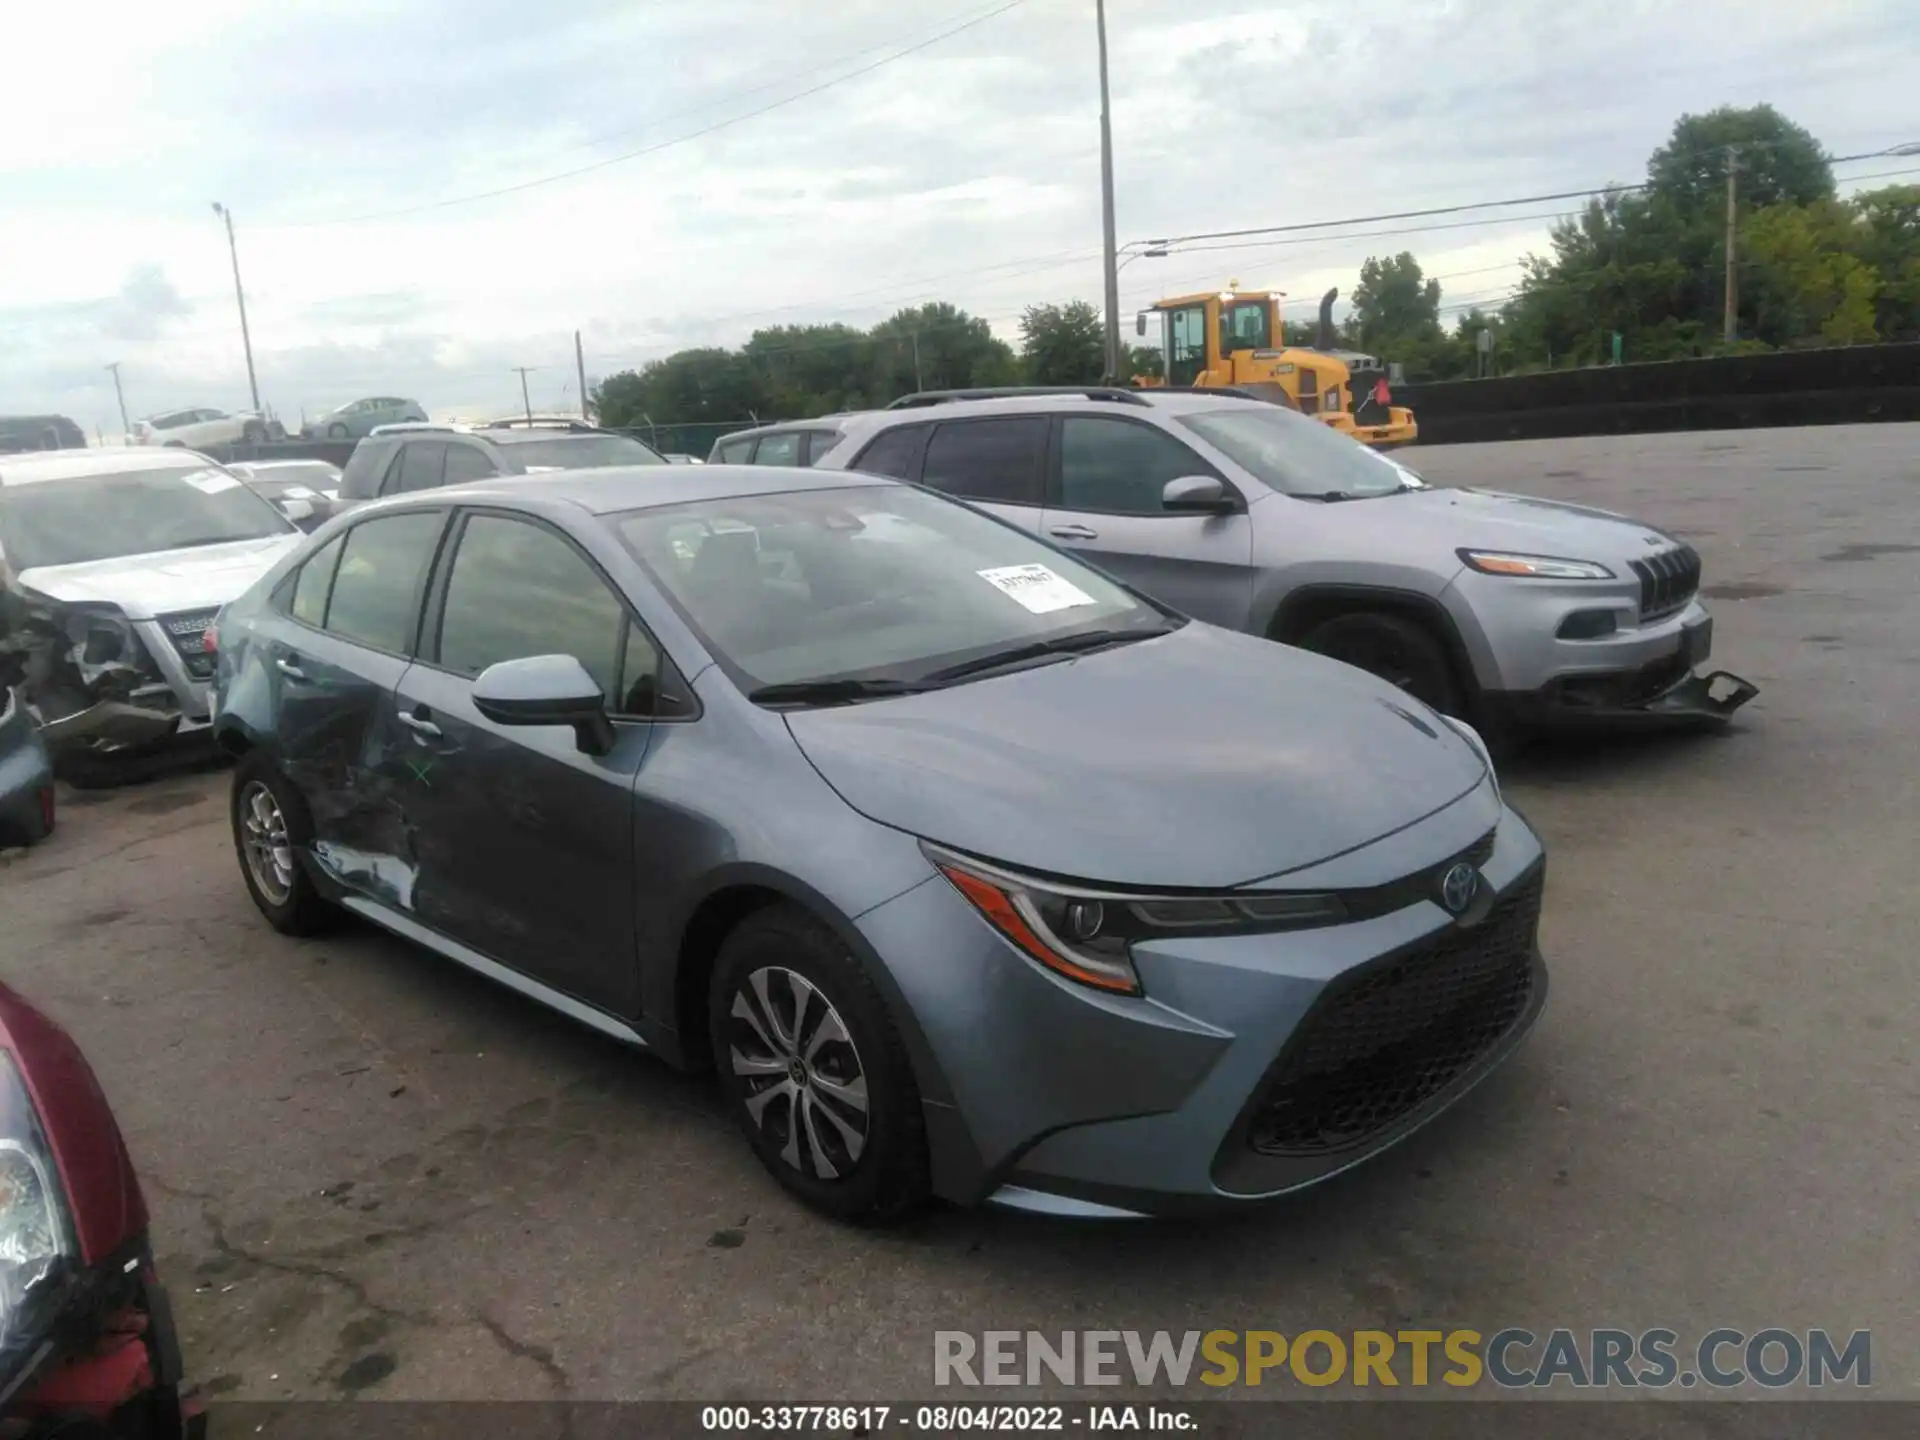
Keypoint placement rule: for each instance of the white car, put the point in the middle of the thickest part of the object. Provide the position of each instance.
(193, 429)
(113, 563)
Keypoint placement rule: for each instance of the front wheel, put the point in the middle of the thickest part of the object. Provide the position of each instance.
(336, 431)
(814, 1069)
(1398, 650)
(270, 827)
(252, 433)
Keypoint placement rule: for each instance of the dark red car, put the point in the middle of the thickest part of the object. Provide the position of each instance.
(87, 1343)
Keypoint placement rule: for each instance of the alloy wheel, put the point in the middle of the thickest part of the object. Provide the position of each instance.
(264, 840)
(800, 1073)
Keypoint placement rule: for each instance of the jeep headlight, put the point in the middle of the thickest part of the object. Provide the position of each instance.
(1533, 567)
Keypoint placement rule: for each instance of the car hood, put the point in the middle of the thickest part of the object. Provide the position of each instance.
(1493, 520)
(143, 586)
(1204, 758)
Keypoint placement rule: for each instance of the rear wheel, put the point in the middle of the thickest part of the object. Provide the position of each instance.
(814, 1070)
(336, 431)
(270, 828)
(1398, 650)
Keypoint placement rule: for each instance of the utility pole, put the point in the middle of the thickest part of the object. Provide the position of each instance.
(918, 383)
(240, 294)
(525, 400)
(1732, 319)
(1106, 204)
(126, 428)
(580, 368)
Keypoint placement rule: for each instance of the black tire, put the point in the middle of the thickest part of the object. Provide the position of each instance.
(336, 431)
(1400, 651)
(888, 1176)
(289, 900)
(252, 433)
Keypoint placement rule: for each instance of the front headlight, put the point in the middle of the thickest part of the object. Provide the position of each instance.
(1534, 567)
(36, 1236)
(1086, 934)
(1472, 736)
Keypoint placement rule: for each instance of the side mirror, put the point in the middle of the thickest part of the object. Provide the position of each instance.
(1140, 323)
(546, 690)
(1197, 495)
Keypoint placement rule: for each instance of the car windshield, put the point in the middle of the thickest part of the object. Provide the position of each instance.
(580, 452)
(1296, 454)
(882, 583)
(141, 512)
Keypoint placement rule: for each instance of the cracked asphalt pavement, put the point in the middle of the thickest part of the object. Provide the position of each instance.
(375, 1175)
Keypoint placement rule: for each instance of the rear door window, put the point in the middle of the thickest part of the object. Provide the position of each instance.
(377, 589)
(310, 588)
(997, 461)
(895, 453)
(468, 462)
(819, 442)
(779, 449)
(734, 452)
(421, 466)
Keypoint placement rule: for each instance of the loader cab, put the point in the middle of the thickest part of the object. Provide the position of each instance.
(1246, 324)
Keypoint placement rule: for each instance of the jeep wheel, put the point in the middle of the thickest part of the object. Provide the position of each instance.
(814, 1070)
(1400, 651)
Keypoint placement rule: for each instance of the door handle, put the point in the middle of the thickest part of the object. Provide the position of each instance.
(1073, 532)
(290, 670)
(420, 725)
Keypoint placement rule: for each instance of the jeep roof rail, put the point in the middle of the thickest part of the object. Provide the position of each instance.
(1238, 392)
(416, 427)
(542, 422)
(1117, 394)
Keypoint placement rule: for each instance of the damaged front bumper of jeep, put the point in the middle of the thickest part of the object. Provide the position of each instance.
(89, 677)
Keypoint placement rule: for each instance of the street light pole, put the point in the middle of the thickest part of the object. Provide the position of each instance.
(1730, 326)
(240, 294)
(1112, 265)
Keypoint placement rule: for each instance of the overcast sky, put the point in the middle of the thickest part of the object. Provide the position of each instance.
(966, 171)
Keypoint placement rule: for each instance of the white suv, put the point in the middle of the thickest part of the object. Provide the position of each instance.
(113, 564)
(191, 429)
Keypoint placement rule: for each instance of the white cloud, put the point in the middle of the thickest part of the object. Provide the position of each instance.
(967, 171)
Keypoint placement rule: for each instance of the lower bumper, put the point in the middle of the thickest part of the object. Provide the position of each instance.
(1617, 701)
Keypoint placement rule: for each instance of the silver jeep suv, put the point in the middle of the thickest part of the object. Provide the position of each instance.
(1498, 609)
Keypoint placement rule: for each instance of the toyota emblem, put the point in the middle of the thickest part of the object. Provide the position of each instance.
(1458, 887)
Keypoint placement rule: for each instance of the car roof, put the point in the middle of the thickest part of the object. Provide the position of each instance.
(613, 488)
(39, 465)
(783, 427)
(283, 464)
(1175, 402)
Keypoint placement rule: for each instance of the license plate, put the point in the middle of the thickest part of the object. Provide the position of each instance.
(1696, 642)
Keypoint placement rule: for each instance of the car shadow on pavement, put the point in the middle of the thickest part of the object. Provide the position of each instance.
(1579, 757)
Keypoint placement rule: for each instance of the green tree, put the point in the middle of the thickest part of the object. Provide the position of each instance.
(1779, 163)
(1146, 360)
(1063, 344)
(1890, 242)
(1396, 309)
(937, 347)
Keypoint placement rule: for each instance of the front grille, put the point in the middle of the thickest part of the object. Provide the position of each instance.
(1668, 580)
(1387, 1039)
(187, 631)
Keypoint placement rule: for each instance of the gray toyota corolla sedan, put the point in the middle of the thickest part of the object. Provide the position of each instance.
(970, 872)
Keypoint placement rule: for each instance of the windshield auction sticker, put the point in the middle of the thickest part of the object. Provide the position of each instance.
(1036, 587)
(210, 482)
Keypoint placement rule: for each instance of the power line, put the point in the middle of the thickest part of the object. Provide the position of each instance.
(1458, 209)
(692, 135)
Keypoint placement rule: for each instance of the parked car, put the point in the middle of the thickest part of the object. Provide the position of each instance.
(359, 417)
(88, 1347)
(201, 428)
(399, 459)
(971, 871)
(113, 562)
(39, 432)
(1505, 610)
(796, 443)
(26, 775)
(675, 457)
(305, 491)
